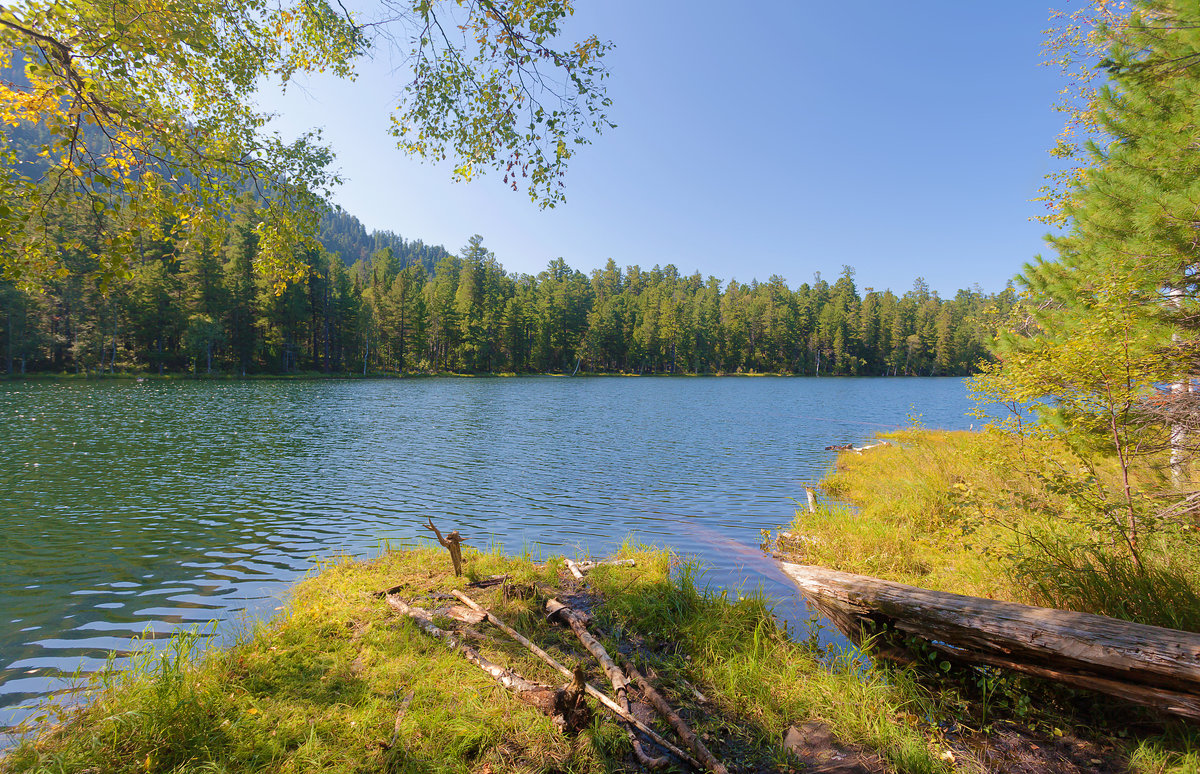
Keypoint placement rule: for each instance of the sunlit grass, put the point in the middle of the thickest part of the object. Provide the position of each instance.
(318, 687)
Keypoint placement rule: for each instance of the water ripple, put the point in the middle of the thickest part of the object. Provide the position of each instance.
(130, 510)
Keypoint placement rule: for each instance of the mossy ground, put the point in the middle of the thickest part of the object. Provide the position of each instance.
(978, 514)
(318, 688)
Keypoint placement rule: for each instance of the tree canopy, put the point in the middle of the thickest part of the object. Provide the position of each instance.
(142, 111)
(1110, 320)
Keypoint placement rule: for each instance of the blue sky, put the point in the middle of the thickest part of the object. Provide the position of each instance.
(786, 138)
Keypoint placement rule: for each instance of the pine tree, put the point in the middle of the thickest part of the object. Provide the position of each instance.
(1095, 333)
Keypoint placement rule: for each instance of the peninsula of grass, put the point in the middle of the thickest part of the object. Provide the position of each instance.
(995, 515)
(338, 681)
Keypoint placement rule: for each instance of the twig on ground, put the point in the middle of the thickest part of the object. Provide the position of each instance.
(685, 732)
(592, 690)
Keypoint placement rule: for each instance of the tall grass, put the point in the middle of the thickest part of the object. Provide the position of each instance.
(1064, 574)
(991, 515)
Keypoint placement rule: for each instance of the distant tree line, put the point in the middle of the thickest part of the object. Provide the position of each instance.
(409, 308)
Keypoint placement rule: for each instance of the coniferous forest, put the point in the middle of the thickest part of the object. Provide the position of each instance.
(376, 303)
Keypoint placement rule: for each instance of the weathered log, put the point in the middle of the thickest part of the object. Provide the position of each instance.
(592, 690)
(682, 728)
(574, 568)
(556, 609)
(1145, 664)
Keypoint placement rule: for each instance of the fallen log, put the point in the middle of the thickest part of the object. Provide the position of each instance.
(592, 690)
(562, 704)
(1148, 665)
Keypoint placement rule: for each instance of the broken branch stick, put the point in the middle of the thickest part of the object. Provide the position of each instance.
(620, 682)
(606, 562)
(685, 732)
(451, 542)
(574, 568)
(592, 690)
(540, 696)
(400, 716)
(491, 580)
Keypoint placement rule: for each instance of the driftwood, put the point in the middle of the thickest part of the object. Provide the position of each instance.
(579, 568)
(853, 448)
(451, 542)
(574, 568)
(565, 704)
(812, 499)
(1148, 665)
(592, 690)
(683, 729)
(491, 580)
(620, 682)
(585, 566)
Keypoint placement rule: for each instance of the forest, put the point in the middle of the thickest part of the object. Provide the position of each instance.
(375, 303)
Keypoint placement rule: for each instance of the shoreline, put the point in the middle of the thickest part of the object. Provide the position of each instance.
(315, 376)
(338, 678)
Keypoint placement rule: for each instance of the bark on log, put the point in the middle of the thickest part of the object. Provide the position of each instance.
(556, 609)
(683, 729)
(1149, 665)
(592, 690)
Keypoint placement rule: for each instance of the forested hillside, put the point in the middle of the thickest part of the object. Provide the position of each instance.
(344, 236)
(376, 303)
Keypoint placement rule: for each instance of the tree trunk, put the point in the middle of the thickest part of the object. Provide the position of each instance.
(1147, 665)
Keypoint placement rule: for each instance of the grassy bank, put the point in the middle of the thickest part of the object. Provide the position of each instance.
(989, 514)
(319, 687)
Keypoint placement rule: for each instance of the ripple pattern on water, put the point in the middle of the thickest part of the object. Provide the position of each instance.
(132, 509)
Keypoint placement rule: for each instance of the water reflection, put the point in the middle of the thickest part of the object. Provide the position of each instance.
(126, 506)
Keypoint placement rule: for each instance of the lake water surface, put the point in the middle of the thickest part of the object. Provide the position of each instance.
(130, 507)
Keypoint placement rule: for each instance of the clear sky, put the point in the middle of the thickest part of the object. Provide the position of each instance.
(778, 137)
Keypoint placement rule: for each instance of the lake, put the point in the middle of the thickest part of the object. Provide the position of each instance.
(129, 508)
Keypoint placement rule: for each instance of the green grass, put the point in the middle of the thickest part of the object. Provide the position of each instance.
(989, 515)
(978, 513)
(318, 687)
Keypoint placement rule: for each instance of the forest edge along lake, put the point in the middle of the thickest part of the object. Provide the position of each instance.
(134, 509)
